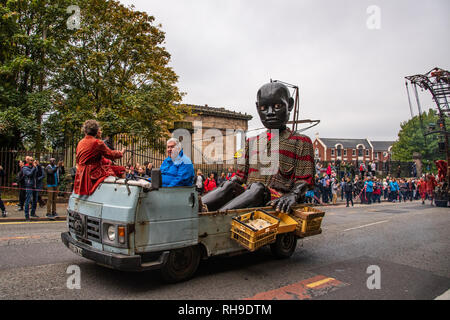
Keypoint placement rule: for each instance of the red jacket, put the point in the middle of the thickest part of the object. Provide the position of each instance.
(210, 185)
(91, 169)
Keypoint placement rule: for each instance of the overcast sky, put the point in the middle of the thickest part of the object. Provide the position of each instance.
(350, 75)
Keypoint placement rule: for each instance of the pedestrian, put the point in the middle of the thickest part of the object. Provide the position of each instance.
(422, 189)
(431, 184)
(39, 182)
(2, 206)
(377, 186)
(374, 168)
(342, 188)
(393, 185)
(210, 183)
(369, 190)
(21, 185)
(334, 189)
(29, 173)
(53, 179)
(348, 190)
(221, 179)
(362, 169)
(385, 189)
(199, 182)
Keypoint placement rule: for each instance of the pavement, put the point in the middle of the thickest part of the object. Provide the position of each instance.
(13, 215)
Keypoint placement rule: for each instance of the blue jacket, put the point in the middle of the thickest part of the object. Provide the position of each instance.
(393, 186)
(369, 186)
(177, 173)
(29, 174)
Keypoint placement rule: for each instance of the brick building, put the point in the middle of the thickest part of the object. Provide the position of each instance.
(352, 150)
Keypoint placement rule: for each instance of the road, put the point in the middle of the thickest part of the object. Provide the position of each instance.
(407, 244)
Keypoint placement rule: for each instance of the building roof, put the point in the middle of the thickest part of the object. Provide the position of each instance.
(218, 112)
(346, 143)
(381, 145)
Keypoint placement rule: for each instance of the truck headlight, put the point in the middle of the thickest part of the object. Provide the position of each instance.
(112, 233)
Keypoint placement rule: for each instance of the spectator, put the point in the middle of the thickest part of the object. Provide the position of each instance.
(342, 188)
(385, 188)
(348, 190)
(309, 196)
(210, 183)
(148, 168)
(39, 182)
(393, 185)
(129, 173)
(221, 179)
(362, 169)
(2, 206)
(53, 179)
(334, 189)
(230, 173)
(377, 186)
(374, 168)
(29, 173)
(369, 190)
(199, 182)
(141, 173)
(21, 185)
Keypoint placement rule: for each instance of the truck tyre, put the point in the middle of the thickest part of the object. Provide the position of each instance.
(284, 245)
(181, 264)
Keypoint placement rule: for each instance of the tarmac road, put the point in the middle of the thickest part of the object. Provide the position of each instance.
(409, 243)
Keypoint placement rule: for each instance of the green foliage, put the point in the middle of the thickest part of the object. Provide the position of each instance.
(411, 139)
(114, 68)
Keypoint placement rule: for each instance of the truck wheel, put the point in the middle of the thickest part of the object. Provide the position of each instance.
(284, 245)
(181, 264)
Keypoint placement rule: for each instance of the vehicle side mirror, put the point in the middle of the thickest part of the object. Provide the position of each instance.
(156, 178)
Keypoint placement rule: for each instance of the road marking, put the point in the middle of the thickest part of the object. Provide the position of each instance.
(366, 225)
(320, 282)
(444, 296)
(37, 222)
(305, 289)
(19, 238)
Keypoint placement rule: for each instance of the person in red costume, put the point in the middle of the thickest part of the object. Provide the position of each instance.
(91, 158)
(431, 184)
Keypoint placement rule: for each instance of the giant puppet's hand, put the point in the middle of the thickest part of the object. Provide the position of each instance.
(285, 203)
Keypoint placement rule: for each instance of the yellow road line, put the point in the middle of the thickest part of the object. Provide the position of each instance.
(318, 283)
(19, 238)
(37, 222)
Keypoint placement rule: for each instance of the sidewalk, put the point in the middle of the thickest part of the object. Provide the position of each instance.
(19, 216)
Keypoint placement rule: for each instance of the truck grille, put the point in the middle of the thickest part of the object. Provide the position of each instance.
(85, 227)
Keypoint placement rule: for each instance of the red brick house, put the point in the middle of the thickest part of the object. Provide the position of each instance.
(352, 150)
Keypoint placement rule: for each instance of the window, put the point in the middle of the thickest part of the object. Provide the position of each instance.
(332, 152)
(339, 151)
(316, 152)
(345, 152)
(360, 151)
(353, 152)
(376, 155)
(367, 152)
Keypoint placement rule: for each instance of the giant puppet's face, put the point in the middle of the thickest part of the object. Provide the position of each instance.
(274, 105)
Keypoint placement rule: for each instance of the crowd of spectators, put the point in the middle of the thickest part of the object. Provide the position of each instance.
(364, 186)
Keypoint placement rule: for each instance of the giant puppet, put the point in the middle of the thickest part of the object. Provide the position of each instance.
(292, 177)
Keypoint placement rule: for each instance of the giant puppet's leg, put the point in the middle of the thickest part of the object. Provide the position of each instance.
(257, 195)
(221, 195)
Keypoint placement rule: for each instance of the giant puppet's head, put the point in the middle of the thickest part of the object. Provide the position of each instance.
(274, 104)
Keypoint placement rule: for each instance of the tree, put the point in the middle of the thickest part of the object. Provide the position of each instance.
(115, 69)
(411, 139)
(32, 32)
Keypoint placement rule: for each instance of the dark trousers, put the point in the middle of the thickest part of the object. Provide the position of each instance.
(22, 195)
(2, 206)
(30, 195)
(349, 198)
(369, 197)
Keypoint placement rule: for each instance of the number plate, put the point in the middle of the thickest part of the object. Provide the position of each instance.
(76, 250)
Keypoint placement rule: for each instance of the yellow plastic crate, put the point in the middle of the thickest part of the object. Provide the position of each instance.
(309, 221)
(249, 237)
